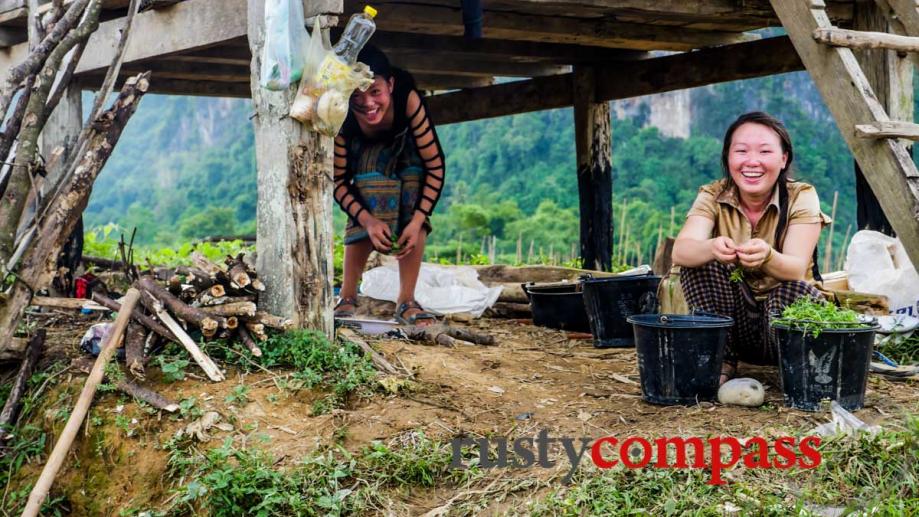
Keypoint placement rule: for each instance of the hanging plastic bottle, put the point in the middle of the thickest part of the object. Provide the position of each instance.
(337, 65)
(357, 33)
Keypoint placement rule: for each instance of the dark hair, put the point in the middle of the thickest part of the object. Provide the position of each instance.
(376, 60)
(765, 119)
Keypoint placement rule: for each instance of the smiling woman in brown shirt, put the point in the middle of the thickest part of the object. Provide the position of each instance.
(758, 219)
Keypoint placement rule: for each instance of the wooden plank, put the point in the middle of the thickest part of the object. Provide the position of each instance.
(520, 51)
(443, 20)
(67, 303)
(865, 40)
(437, 64)
(888, 129)
(186, 26)
(181, 87)
(888, 167)
(593, 148)
(433, 82)
(676, 72)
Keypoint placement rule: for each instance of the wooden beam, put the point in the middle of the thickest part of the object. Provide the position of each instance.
(888, 129)
(189, 71)
(593, 141)
(603, 32)
(188, 25)
(518, 51)
(889, 169)
(181, 87)
(676, 72)
(866, 40)
(433, 82)
(437, 64)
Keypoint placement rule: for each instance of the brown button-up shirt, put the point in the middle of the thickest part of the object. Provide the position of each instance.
(721, 203)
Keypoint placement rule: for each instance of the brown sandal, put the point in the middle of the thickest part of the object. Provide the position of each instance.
(344, 313)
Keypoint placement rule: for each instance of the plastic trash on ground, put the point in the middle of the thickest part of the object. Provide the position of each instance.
(878, 264)
(92, 340)
(285, 41)
(440, 289)
(844, 422)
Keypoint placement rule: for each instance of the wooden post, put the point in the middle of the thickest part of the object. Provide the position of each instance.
(592, 130)
(828, 252)
(294, 215)
(891, 77)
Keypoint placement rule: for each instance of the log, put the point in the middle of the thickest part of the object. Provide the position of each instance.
(866, 40)
(175, 285)
(197, 278)
(232, 322)
(134, 349)
(139, 316)
(217, 291)
(67, 303)
(247, 340)
(102, 262)
(11, 408)
(231, 309)
(257, 330)
(510, 292)
(205, 300)
(201, 262)
(663, 260)
(448, 336)
(147, 395)
(272, 321)
(185, 340)
(238, 274)
(182, 310)
(888, 129)
(378, 360)
(61, 212)
(508, 310)
(258, 285)
(130, 388)
(62, 447)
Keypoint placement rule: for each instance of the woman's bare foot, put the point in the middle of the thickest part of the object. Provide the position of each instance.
(728, 372)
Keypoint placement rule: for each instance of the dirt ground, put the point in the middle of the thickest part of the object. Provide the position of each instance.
(534, 379)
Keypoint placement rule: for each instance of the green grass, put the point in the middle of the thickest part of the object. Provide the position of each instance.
(903, 350)
(228, 481)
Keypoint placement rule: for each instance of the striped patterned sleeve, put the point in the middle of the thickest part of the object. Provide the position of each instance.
(345, 193)
(430, 151)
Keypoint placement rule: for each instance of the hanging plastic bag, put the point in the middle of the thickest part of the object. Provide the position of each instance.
(322, 97)
(285, 36)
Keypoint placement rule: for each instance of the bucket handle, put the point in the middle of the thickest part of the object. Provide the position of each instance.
(525, 290)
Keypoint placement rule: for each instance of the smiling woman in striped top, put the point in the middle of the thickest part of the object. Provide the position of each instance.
(389, 173)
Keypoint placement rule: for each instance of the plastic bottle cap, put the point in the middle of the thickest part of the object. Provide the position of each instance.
(370, 11)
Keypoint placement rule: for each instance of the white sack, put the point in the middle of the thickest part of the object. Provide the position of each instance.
(878, 264)
(439, 289)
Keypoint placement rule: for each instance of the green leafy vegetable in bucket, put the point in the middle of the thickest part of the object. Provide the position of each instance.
(814, 316)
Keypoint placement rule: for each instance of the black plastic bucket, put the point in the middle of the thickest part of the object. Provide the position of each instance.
(558, 306)
(831, 365)
(609, 301)
(680, 356)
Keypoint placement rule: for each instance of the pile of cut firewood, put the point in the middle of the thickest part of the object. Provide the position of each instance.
(215, 300)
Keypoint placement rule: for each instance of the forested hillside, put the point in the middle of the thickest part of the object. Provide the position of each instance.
(185, 169)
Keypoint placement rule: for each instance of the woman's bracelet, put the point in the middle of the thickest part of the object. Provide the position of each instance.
(768, 257)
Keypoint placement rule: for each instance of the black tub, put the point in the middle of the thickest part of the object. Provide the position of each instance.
(609, 301)
(832, 365)
(680, 356)
(558, 306)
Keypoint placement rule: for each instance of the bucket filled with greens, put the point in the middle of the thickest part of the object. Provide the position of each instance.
(824, 354)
